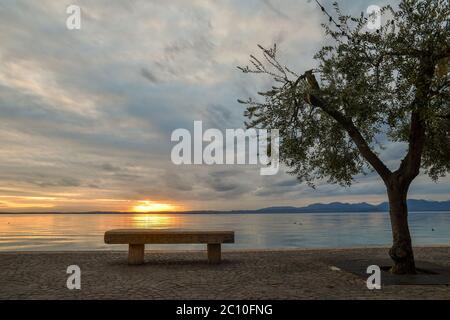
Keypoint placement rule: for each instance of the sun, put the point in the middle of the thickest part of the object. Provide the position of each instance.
(152, 206)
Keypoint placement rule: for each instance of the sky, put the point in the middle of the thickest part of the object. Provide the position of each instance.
(86, 115)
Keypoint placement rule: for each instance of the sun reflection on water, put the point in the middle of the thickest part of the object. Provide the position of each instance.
(159, 221)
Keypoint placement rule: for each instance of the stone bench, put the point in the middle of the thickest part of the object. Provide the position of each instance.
(137, 238)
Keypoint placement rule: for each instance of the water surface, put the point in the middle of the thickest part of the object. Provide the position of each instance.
(304, 230)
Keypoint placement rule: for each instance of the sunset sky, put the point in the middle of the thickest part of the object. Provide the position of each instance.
(86, 115)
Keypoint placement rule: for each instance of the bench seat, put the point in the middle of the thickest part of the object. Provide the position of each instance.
(137, 238)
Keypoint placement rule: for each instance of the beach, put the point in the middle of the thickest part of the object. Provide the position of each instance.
(249, 274)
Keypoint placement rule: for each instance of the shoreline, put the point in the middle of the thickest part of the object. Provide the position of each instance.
(243, 274)
(224, 249)
(215, 212)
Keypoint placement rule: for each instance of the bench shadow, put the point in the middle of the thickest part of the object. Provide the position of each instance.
(148, 262)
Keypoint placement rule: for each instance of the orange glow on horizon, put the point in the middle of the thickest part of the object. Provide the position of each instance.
(82, 203)
(152, 206)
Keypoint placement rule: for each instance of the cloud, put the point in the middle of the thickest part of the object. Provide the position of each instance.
(87, 114)
(177, 182)
(147, 74)
(269, 4)
(109, 167)
(63, 182)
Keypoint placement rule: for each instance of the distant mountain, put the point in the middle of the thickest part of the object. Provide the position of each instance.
(322, 207)
(413, 205)
(425, 205)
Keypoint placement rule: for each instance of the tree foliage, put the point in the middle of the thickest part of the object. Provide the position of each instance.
(391, 83)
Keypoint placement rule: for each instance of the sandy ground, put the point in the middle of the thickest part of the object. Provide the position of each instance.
(280, 274)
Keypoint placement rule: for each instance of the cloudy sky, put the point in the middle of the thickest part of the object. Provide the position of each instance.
(86, 115)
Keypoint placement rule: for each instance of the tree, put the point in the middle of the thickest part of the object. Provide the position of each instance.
(368, 87)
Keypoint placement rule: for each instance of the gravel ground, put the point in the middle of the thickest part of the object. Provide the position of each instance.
(264, 274)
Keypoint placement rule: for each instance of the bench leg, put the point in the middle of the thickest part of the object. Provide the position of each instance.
(136, 253)
(214, 253)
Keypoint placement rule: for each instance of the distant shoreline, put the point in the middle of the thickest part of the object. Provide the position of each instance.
(212, 212)
(414, 205)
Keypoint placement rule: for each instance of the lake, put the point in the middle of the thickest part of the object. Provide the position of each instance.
(49, 232)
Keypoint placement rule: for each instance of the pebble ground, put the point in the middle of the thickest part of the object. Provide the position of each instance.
(279, 274)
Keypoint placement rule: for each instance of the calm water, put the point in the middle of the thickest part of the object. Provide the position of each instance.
(85, 232)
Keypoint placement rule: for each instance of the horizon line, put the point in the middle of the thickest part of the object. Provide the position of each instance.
(221, 211)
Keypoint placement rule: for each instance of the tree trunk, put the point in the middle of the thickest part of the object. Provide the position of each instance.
(401, 251)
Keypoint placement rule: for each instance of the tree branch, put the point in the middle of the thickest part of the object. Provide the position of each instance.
(443, 54)
(314, 98)
(410, 165)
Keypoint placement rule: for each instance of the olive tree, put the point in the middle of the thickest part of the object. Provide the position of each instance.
(367, 88)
